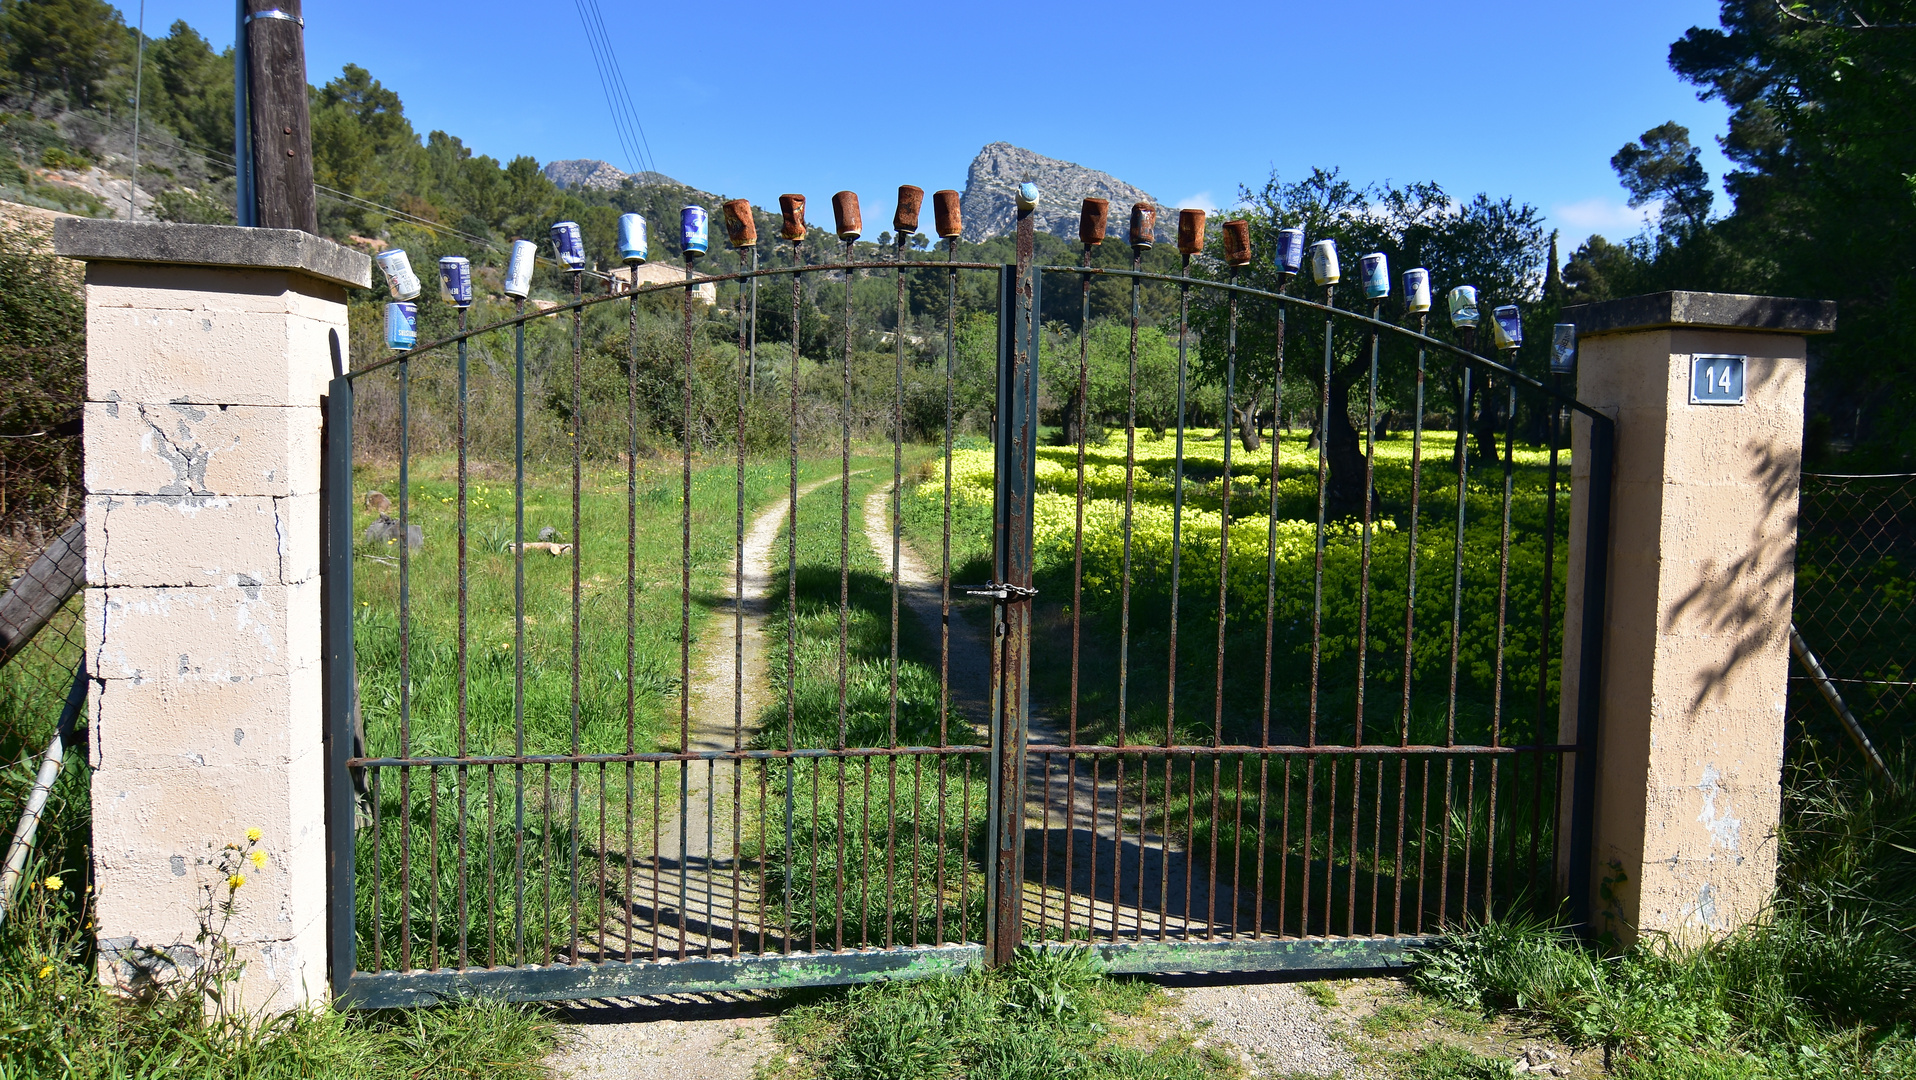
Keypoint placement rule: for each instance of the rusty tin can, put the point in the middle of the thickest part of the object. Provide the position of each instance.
(1237, 242)
(1092, 218)
(791, 209)
(947, 214)
(904, 216)
(1144, 226)
(741, 231)
(850, 224)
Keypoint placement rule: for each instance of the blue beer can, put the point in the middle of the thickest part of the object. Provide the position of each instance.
(1028, 196)
(400, 280)
(1376, 273)
(568, 243)
(402, 325)
(693, 230)
(1417, 290)
(1463, 306)
(1563, 348)
(1324, 262)
(1506, 327)
(519, 268)
(455, 273)
(632, 248)
(1289, 255)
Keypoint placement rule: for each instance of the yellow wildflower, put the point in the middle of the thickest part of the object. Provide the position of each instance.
(236, 881)
(259, 859)
(254, 834)
(54, 882)
(45, 971)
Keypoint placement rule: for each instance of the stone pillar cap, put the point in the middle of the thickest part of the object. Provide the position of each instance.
(167, 242)
(1703, 310)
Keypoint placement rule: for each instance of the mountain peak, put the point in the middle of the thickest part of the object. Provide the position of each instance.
(599, 175)
(990, 199)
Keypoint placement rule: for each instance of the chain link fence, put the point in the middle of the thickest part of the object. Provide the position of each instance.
(1856, 605)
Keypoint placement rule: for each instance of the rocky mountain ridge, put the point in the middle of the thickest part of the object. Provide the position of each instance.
(599, 175)
(990, 198)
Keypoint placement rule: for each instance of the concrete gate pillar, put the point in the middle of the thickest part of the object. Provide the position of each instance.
(208, 350)
(1707, 393)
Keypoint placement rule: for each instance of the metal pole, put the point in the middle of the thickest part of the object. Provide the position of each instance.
(139, 65)
(1815, 667)
(245, 210)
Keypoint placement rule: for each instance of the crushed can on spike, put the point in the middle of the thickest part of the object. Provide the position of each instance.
(519, 269)
(1289, 256)
(1417, 290)
(1144, 226)
(791, 209)
(1237, 242)
(1027, 197)
(1190, 232)
(402, 325)
(1375, 270)
(1506, 327)
(632, 245)
(740, 230)
(1091, 221)
(693, 229)
(904, 216)
(1463, 306)
(850, 223)
(400, 280)
(455, 273)
(947, 214)
(1324, 262)
(568, 243)
(1563, 348)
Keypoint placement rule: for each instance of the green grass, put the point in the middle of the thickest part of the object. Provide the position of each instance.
(1047, 1015)
(1824, 985)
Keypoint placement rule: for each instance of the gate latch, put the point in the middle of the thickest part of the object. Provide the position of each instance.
(1003, 594)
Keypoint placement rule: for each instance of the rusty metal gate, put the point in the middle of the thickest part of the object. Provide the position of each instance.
(924, 696)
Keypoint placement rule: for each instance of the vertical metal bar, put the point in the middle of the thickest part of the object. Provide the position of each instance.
(897, 543)
(379, 870)
(1456, 638)
(461, 697)
(1317, 616)
(1177, 528)
(1546, 654)
(1077, 607)
(944, 586)
(1270, 610)
(1596, 584)
(1363, 613)
(791, 585)
(405, 665)
(631, 591)
(844, 603)
(1130, 494)
(1497, 683)
(519, 634)
(1223, 596)
(336, 498)
(1017, 480)
(748, 372)
(577, 435)
(685, 617)
(1410, 626)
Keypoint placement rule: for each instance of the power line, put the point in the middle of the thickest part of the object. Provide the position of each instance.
(625, 90)
(626, 143)
(618, 95)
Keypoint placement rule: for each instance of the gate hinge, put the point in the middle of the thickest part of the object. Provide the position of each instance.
(1003, 594)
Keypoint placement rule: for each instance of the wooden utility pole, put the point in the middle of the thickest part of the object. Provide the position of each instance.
(282, 139)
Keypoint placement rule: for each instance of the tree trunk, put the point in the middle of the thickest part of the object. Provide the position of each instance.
(1247, 428)
(1345, 450)
(1488, 418)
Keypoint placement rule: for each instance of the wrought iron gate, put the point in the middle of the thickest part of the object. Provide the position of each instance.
(1007, 762)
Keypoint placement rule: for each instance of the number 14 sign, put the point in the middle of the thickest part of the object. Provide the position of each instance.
(1716, 379)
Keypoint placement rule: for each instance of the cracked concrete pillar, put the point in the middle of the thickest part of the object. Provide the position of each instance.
(1707, 393)
(208, 350)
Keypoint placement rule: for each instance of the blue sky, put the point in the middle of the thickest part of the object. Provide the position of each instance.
(1187, 100)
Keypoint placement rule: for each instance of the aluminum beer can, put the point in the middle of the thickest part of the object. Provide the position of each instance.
(1506, 327)
(632, 247)
(1417, 290)
(1324, 262)
(455, 273)
(519, 268)
(1375, 268)
(400, 280)
(1563, 348)
(1289, 256)
(402, 325)
(693, 229)
(1028, 196)
(569, 245)
(1463, 306)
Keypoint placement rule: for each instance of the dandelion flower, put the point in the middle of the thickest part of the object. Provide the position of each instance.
(236, 881)
(54, 882)
(259, 859)
(45, 971)
(254, 834)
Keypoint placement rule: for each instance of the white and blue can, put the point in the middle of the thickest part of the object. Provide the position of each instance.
(455, 273)
(1028, 196)
(519, 269)
(402, 325)
(1463, 306)
(694, 229)
(1375, 269)
(1289, 255)
(400, 280)
(1417, 290)
(568, 243)
(1563, 348)
(632, 248)
(1324, 262)
(1506, 327)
